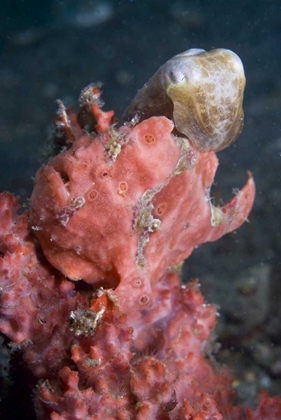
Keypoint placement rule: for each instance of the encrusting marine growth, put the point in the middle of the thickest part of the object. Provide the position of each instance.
(120, 207)
(89, 285)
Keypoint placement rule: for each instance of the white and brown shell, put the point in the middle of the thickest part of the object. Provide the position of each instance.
(202, 92)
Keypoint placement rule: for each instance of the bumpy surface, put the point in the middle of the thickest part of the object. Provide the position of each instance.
(141, 373)
(95, 362)
(117, 209)
(35, 300)
(110, 365)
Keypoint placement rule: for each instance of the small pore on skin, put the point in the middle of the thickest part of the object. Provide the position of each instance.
(123, 187)
(92, 194)
(148, 138)
(144, 299)
(161, 208)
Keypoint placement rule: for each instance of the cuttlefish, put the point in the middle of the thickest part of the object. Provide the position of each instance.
(202, 92)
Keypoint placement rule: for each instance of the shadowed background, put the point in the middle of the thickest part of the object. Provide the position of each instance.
(51, 50)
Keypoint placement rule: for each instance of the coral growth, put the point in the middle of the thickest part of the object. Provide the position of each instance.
(96, 362)
(119, 208)
(89, 285)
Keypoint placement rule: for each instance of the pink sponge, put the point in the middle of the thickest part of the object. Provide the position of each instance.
(144, 367)
(118, 208)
